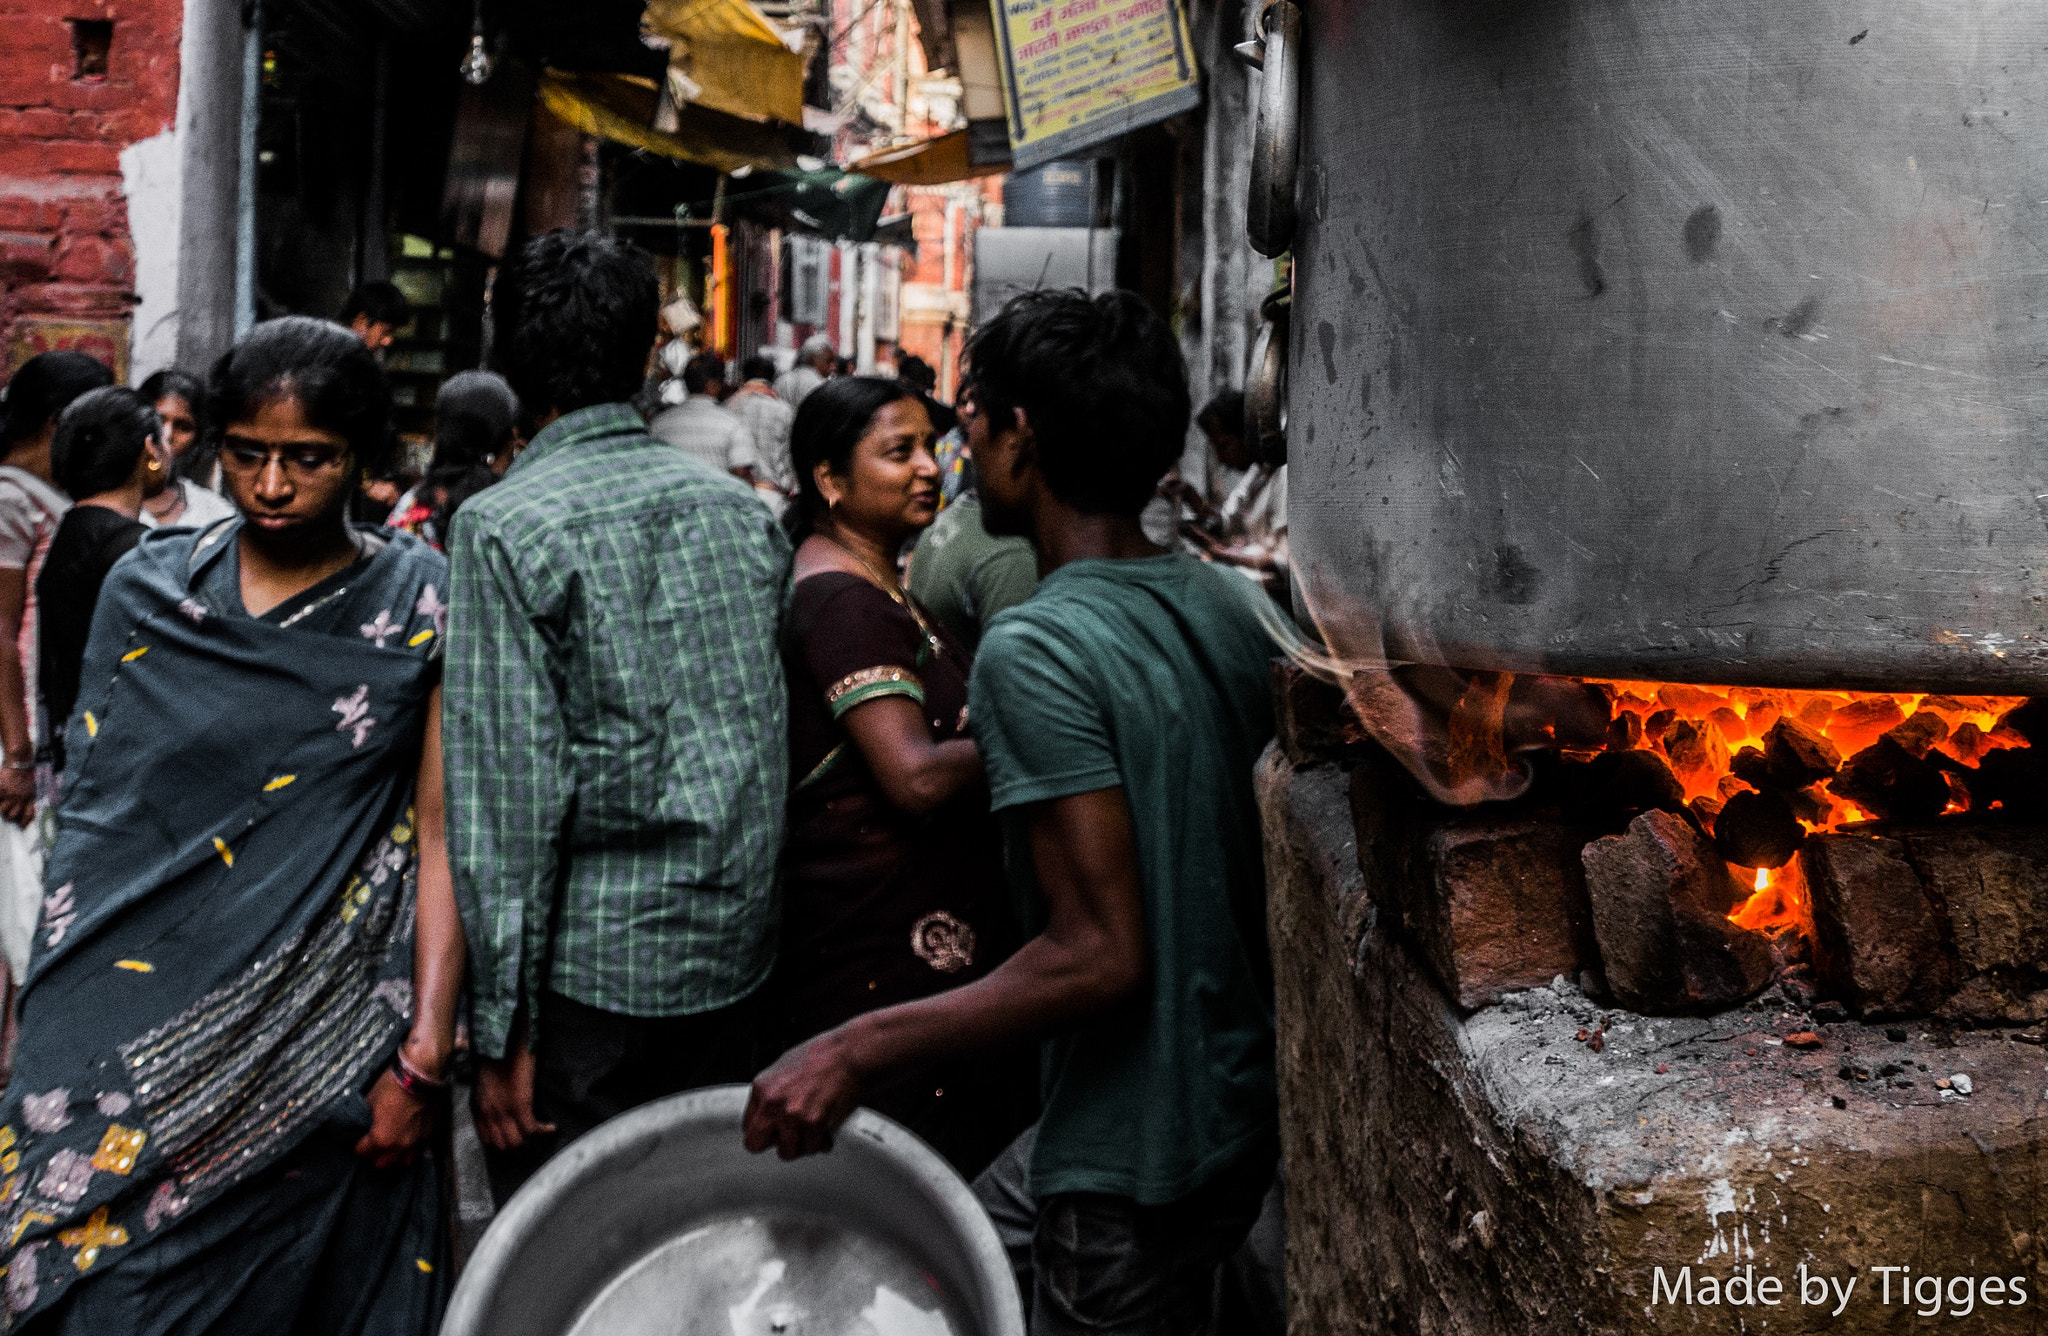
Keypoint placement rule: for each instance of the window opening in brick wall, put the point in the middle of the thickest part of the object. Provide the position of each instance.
(91, 39)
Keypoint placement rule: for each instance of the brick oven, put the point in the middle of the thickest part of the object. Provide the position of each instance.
(79, 84)
(1551, 1064)
(1661, 923)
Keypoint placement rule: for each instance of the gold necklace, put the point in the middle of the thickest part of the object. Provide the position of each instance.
(874, 578)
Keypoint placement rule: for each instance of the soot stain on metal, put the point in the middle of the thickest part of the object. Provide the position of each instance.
(1799, 319)
(1702, 233)
(1584, 239)
(1326, 339)
(1514, 577)
(1859, 37)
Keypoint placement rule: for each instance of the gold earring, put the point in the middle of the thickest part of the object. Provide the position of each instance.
(155, 465)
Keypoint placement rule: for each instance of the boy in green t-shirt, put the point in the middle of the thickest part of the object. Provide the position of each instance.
(1119, 711)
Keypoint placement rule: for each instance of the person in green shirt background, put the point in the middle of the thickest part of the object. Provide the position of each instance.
(1119, 711)
(964, 575)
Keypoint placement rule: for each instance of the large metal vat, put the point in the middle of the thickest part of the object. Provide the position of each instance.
(660, 1223)
(1695, 341)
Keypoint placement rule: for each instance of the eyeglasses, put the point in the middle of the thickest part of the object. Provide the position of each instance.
(300, 463)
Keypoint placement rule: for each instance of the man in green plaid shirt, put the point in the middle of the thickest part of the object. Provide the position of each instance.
(614, 727)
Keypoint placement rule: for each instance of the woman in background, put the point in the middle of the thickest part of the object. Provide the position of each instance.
(893, 884)
(475, 432)
(106, 455)
(186, 492)
(30, 510)
(238, 1018)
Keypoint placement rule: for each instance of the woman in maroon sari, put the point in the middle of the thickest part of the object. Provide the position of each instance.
(893, 882)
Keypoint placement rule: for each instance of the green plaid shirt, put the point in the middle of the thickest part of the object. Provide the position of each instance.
(617, 755)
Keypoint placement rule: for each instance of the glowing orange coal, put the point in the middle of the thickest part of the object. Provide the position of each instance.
(1702, 731)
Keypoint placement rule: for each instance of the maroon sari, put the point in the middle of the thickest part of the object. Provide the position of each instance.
(880, 906)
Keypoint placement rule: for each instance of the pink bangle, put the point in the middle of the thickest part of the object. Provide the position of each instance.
(415, 1082)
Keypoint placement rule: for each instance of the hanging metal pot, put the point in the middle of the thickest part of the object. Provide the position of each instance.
(1276, 142)
(1702, 342)
(1265, 387)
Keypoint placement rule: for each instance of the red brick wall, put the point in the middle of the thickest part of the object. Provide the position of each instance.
(67, 266)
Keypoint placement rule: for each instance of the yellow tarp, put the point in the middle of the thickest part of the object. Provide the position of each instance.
(929, 162)
(726, 55)
(619, 107)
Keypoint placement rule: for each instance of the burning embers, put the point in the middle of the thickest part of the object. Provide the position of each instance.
(1760, 771)
(1688, 845)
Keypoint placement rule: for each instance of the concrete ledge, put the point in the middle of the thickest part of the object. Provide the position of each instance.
(1494, 1174)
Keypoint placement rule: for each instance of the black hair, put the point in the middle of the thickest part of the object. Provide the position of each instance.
(42, 388)
(99, 439)
(573, 315)
(1224, 413)
(171, 382)
(380, 301)
(330, 373)
(829, 423)
(917, 373)
(197, 462)
(757, 367)
(701, 370)
(473, 419)
(1102, 384)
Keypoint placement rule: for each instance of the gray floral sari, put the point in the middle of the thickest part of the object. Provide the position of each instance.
(224, 957)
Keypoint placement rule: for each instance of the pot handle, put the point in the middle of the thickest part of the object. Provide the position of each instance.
(1265, 389)
(1276, 143)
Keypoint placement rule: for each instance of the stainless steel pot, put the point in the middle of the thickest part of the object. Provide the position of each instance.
(1676, 340)
(661, 1222)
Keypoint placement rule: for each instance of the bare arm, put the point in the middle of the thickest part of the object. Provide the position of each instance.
(438, 951)
(916, 774)
(1089, 958)
(400, 1121)
(17, 787)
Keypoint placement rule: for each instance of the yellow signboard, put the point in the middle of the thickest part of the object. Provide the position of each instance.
(1078, 72)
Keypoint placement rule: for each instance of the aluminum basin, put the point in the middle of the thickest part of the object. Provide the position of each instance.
(661, 1222)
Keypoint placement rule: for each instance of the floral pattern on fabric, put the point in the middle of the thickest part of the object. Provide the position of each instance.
(355, 715)
(90, 1237)
(47, 1112)
(60, 909)
(943, 942)
(66, 1177)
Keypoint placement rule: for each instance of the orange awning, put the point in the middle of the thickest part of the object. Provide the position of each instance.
(725, 55)
(619, 107)
(929, 162)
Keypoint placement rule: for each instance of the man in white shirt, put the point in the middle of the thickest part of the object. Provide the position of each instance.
(699, 426)
(767, 419)
(815, 363)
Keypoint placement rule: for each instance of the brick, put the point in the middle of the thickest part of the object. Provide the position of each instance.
(21, 214)
(107, 214)
(25, 257)
(1991, 878)
(1310, 717)
(1660, 897)
(93, 259)
(1881, 936)
(1493, 903)
(78, 158)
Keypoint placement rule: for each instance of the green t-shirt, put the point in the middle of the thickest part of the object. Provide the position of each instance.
(1152, 675)
(964, 576)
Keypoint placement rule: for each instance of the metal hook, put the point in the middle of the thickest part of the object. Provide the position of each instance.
(1276, 143)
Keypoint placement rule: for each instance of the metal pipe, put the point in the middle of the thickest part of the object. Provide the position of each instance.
(245, 187)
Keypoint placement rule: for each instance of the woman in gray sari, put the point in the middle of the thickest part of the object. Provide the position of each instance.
(240, 1009)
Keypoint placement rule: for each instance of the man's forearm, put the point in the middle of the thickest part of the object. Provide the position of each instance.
(1048, 986)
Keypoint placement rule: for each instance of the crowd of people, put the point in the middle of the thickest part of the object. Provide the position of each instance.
(806, 731)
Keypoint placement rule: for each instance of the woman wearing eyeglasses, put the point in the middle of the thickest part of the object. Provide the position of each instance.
(238, 1016)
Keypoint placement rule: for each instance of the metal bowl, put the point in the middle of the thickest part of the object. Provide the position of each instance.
(661, 1222)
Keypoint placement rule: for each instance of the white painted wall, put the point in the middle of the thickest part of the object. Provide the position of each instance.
(152, 177)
